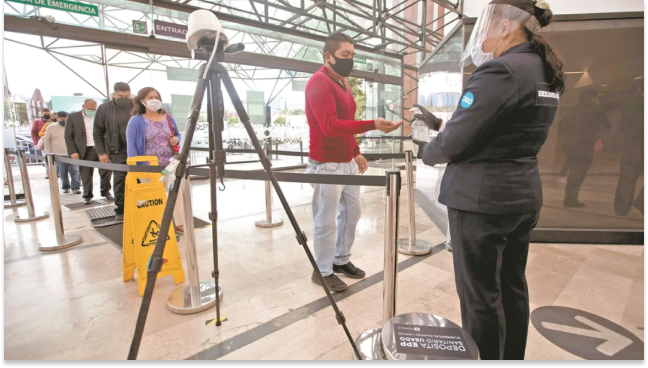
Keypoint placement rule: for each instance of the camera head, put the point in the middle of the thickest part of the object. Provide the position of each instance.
(204, 27)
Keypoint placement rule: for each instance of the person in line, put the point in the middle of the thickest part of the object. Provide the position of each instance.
(55, 143)
(491, 185)
(153, 132)
(109, 134)
(54, 119)
(80, 145)
(330, 111)
(37, 126)
(581, 128)
(632, 155)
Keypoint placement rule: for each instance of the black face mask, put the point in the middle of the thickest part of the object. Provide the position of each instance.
(46, 116)
(342, 66)
(124, 102)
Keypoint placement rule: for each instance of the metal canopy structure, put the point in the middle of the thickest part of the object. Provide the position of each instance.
(283, 38)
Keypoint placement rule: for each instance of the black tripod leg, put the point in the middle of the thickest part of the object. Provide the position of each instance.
(216, 151)
(265, 161)
(155, 262)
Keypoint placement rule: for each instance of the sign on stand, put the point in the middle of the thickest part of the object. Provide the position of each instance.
(144, 203)
(431, 340)
(64, 5)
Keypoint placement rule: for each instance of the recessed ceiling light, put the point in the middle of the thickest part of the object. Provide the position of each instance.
(604, 85)
(639, 77)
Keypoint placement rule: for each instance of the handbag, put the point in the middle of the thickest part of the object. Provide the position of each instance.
(175, 148)
(41, 144)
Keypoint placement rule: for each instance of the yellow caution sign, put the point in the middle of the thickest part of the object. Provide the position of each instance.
(144, 203)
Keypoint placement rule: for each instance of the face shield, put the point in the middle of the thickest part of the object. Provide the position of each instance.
(495, 23)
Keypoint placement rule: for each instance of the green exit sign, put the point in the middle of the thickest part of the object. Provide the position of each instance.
(139, 27)
(359, 60)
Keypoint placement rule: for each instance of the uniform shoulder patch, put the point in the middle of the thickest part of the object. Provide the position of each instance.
(467, 100)
(545, 96)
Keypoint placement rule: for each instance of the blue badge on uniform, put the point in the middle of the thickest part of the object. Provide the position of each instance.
(467, 100)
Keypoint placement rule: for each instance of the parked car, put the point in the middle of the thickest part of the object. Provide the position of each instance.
(25, 143)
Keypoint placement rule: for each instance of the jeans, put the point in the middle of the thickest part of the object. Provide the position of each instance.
(73, 170)
(333, 243)
(490, 255)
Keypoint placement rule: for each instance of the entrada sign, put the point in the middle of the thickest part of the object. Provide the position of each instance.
(170, 29)
(64, 5)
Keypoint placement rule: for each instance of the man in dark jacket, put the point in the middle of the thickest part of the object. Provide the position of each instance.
(110, 138)
(80, 145)
(632, 155)
(581, 127)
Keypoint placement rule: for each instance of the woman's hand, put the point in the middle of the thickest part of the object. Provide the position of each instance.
(173, 141)
(362, 164)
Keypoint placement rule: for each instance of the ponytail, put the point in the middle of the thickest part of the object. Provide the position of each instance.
(553, 63)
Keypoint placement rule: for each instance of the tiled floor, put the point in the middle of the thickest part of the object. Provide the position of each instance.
(73, 304)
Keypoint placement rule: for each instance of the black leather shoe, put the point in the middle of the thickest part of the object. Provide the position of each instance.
(87, 200)
(574, 204)
(333, 282)
(349, 270)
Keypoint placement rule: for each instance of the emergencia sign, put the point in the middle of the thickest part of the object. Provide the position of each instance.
(69, 6)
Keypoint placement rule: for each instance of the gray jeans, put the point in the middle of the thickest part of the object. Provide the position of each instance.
(332, 239)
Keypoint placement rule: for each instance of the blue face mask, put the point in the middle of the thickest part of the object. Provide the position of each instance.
(62, 122)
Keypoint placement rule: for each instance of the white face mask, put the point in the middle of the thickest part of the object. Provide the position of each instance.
(479, 56)
(154, 105)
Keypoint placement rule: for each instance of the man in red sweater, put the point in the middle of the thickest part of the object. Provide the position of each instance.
(330, 110)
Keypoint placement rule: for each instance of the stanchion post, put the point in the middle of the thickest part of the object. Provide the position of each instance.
(276, 150)
(392, 151)
(369, 343)
(24, 175)
(301, 149)
(62, 241)
(13, 202)
(412, 246)
(198, 295)
(448, 242)
(269, 221)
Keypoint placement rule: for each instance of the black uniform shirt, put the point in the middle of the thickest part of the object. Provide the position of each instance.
(492, 141)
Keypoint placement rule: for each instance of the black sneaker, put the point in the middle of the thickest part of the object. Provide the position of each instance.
(333, 282)
(574, 204)
(87, 200)
(349, 270)
(109, 197)
(66, 191)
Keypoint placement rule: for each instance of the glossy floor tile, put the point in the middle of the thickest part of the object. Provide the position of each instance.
(72, 304)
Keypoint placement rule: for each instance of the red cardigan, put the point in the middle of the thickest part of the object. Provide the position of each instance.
(330, 110)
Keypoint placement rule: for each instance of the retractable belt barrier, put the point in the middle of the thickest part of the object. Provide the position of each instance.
(368, 156)
(362, 180)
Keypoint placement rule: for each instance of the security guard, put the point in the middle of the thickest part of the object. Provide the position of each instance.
(492, 184)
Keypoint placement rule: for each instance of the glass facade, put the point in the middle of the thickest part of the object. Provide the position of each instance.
(592, 163)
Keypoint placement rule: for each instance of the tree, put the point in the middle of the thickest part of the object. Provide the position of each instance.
(280, 121)
(359, 97)
(297, 112)
(8, 111)
(232, 122)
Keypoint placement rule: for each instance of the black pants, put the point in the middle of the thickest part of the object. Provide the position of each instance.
(490, 256)
(119, 180)
(88, 172)
(632, 168)
(579, 166)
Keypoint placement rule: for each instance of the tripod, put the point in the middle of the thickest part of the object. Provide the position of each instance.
(213, 76)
